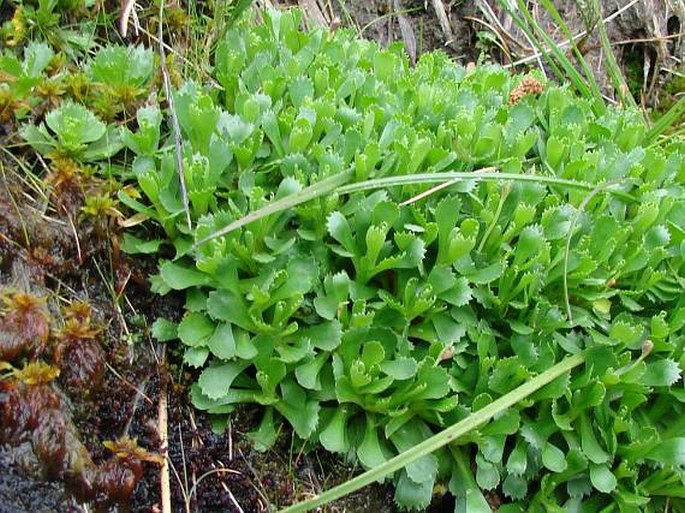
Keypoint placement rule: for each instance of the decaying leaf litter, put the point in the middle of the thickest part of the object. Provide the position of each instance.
(118, 265)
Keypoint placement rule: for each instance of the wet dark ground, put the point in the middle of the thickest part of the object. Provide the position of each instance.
(40, 257)
(20, 493)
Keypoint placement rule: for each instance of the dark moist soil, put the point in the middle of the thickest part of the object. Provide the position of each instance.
(39, 256)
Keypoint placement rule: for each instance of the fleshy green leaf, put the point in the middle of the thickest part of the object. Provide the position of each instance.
(422, 469)
(215, 381)
(134, 245)
(340, 230)
(227, 306)
(589, 443)
(334, 437)
(370, 452)
(264, 437)
(301, 412)
(326, 336)
(661, 373)
(75, 125)
(553, 458)
(164, 330)
(37, 56)
(221, 343)
(412, 495)
(669, 452)
(307, 374)
(515, 486)
(179, 277)
(602, 478)
(517, 462)
(195, 330)
(400, 368)
(487, 475)
(196, 356)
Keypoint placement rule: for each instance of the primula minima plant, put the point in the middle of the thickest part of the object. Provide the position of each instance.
(379, 251)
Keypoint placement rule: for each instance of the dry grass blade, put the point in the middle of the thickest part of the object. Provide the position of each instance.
(430, 191)
(257, 484)
(443, 20)
(444, 185)
(407, 32)
(136, 401)
(504, 27)
(563, 44)
(77, 242)
(24, 229)
(188, 62)
(500, 40)
(127, 10)
(184, 489)
(130, 385)
(210, 473)
(162, 428)
(557, 60)
(492, 17)
(313, 12)
(613, 69)
(175, 126)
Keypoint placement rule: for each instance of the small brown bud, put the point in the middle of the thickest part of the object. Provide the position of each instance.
(647, 347)
(527, 86)
(446, 354)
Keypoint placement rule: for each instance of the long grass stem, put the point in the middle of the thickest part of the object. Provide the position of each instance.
(443, 438)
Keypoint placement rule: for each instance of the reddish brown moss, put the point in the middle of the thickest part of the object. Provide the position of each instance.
(24, 326)
(32, 410)
(78, 352)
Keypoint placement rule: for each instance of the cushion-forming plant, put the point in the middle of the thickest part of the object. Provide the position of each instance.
(379, 250)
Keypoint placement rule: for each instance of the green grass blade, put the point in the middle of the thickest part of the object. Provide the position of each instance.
(443, 438)
(238, 9)
(556, 58)
(531, 36)
(667, 120)
(550, 46)
(336, 183)
(589, 79)
(325, 186)
(425, 178)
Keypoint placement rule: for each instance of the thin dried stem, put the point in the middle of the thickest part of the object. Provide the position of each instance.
(128, 383)
(580, 35)
(163, 430)
(175, 126)
(443, 20)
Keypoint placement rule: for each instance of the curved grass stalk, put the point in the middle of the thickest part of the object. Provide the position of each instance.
(441, 439)
(336, 183)
(175, 125)
(325, 186)
(666, 120)
(422, 178)
(491, 226)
